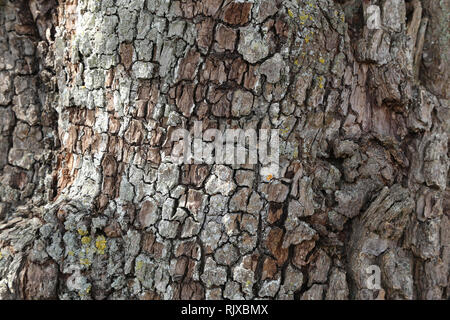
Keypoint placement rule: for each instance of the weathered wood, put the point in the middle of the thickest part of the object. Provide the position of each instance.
(91, 95)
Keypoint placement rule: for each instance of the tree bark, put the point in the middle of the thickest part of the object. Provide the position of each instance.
(92, 207)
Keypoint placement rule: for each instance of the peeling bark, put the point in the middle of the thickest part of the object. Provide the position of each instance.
(91, 206)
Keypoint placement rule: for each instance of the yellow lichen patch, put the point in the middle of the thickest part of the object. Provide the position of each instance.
(1, 255)
(100, 244)
(86, 240)
(291, 14)
(85, 262)
(139, 265)
(321, 81)
(296, 62)
(307, 39)
(321, 60)
(71, 253)
(303, 17)
(285, 130)
(85, 292)
(82, 232)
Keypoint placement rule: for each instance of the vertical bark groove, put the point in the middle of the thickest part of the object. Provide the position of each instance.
(93, 207)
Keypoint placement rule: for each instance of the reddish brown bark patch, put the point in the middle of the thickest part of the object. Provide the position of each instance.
(150, 295)
(269, 269)
(151, 246)
(189, 66)
(225, 38)
(109, 165)
(135, 133)
(113, 230)
(275, 212)
(301, 252)
(126, 54)
(185, 99)
(189, 291)
(237, 13)
(41, 281)
(237, 71)
(194, 174)
(274, 244)
(209, 7)
(63, 172)
(205, 33)
(188, 248)
(212, 71)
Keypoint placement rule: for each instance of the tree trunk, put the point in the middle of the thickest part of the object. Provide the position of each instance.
(93, 206)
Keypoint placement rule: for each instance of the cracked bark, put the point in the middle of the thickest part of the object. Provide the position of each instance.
(91, 92)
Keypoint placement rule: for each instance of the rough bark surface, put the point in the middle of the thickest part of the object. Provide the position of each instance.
(92, 208)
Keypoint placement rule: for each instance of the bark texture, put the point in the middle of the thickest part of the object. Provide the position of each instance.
(91, 206)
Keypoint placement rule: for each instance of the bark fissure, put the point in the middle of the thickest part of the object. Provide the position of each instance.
(92, 206)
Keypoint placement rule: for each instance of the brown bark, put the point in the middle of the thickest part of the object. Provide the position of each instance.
(91, 207)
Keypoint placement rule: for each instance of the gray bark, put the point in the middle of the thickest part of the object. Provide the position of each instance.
(92, 208)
